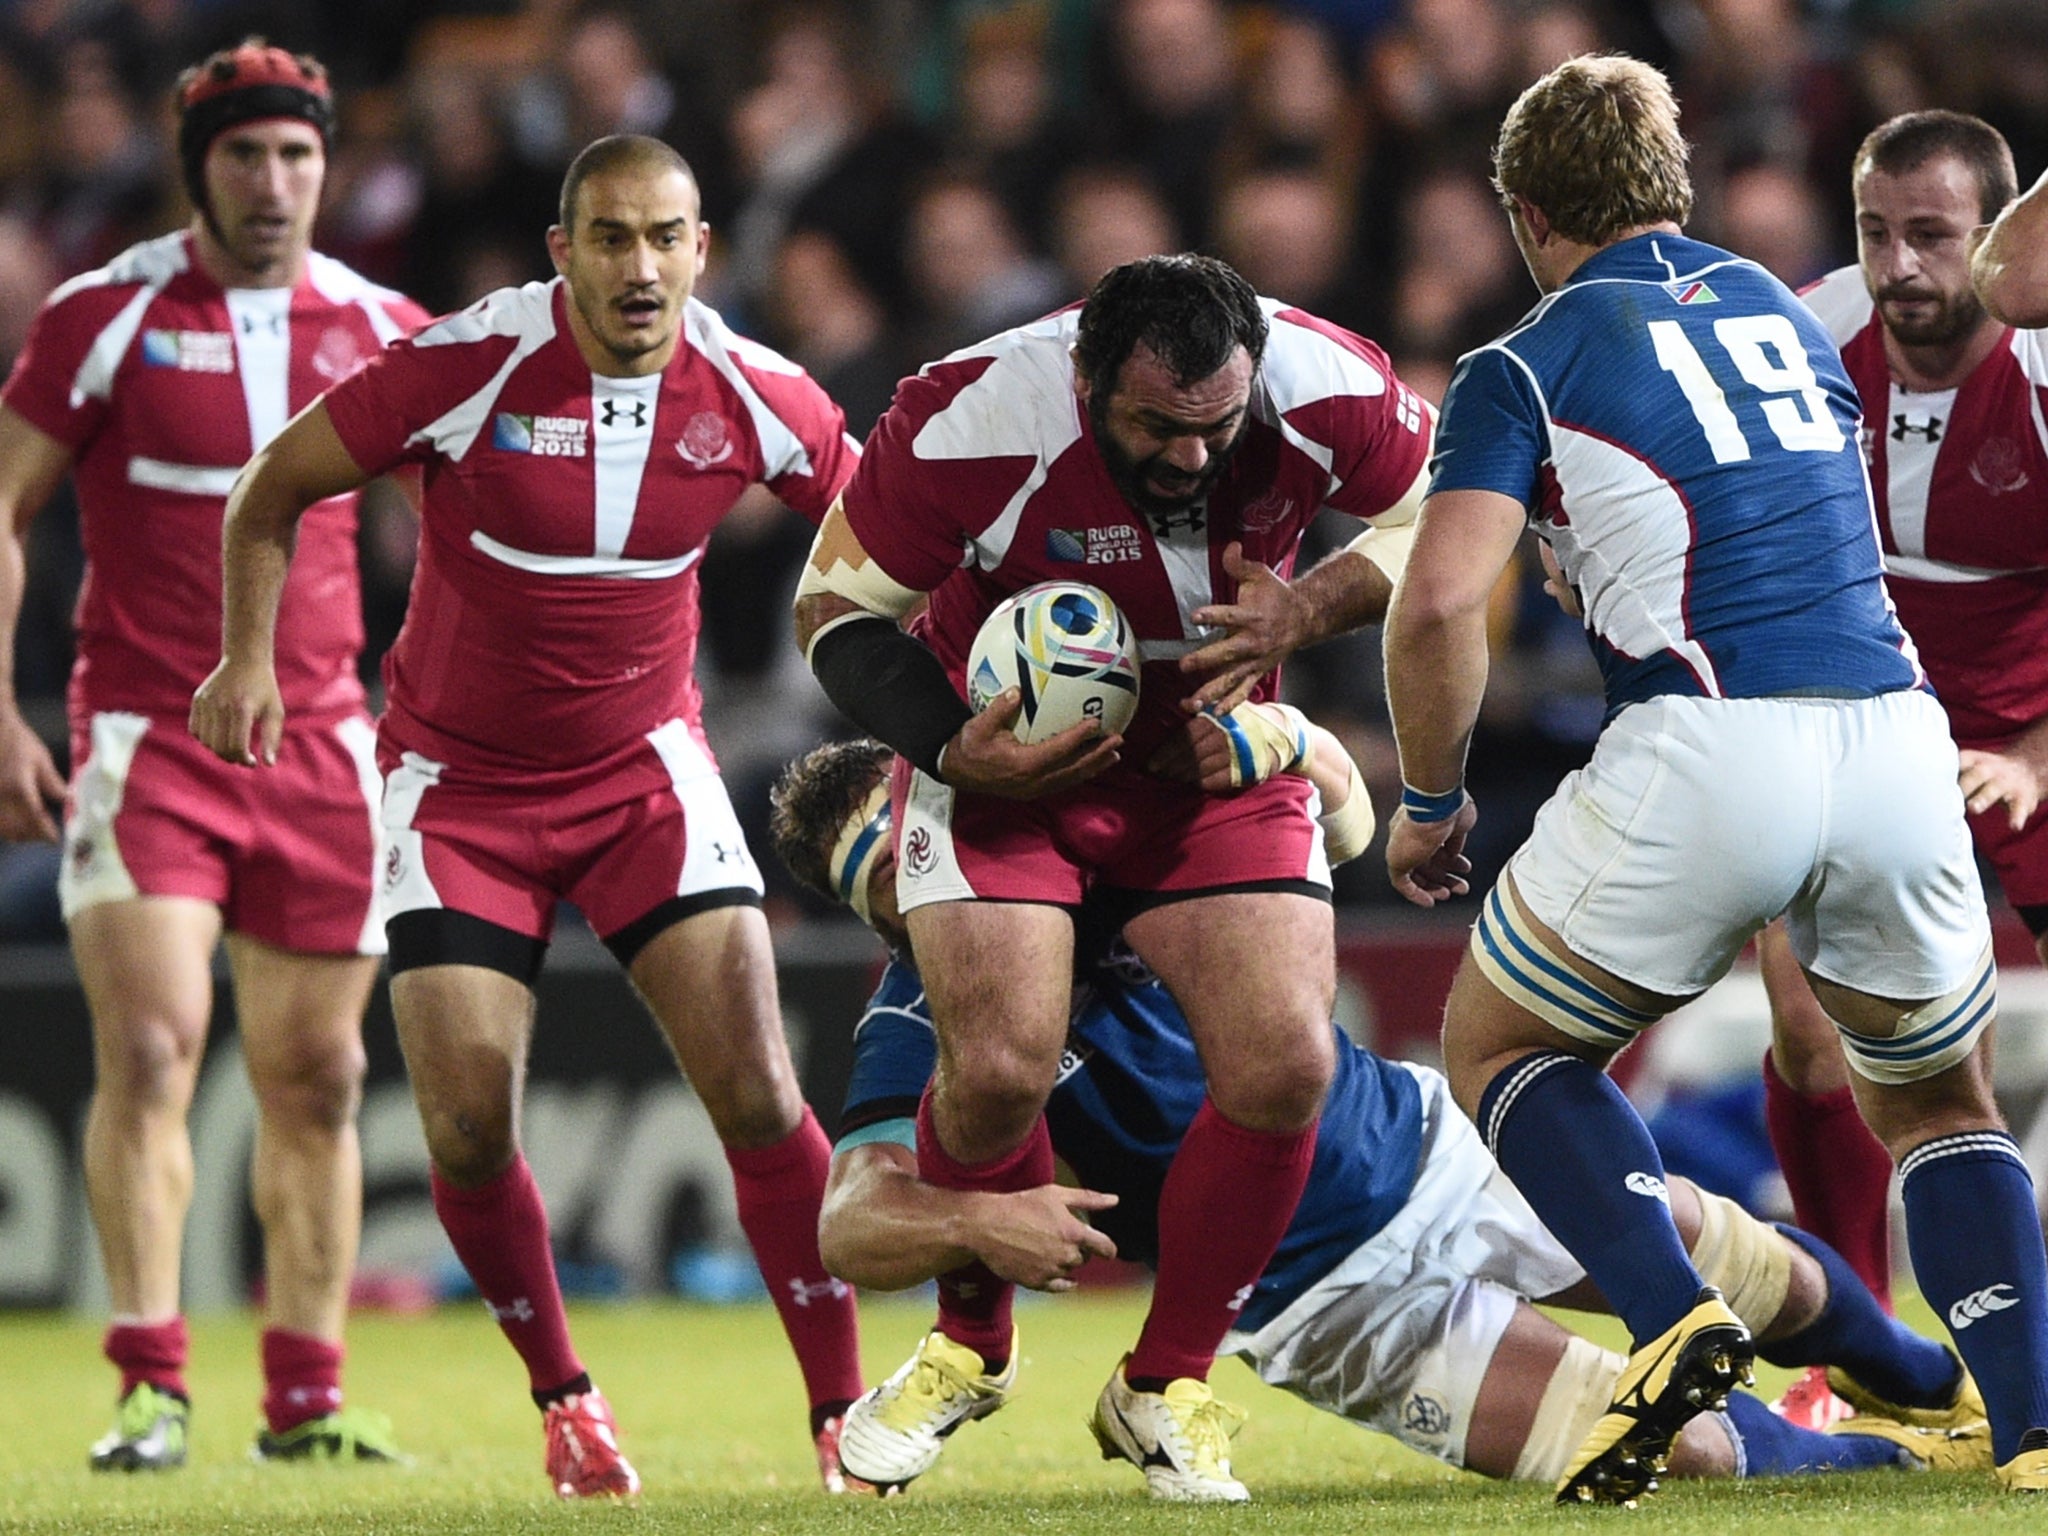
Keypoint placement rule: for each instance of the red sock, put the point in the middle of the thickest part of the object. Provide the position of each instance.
(1839, 1174)
(301, 1378)
(500, 1232)
(1228, 1197)
(779, 1190)
(974, 1305)
(151, 1352)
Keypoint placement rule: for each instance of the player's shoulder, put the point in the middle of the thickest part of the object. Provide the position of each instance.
(525, 314)
(342, 285)
(1310, 361)
(148, 264)
(1010, 396)
(706, 333)
(1841, 301)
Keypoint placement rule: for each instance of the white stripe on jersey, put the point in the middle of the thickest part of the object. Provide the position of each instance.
(190, 479)
(153, 264)
(261, 321)
(782, 451)
(582, 565)
(622, 422)
(1623, 515)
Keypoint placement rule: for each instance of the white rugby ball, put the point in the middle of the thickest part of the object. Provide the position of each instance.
(1067, 649)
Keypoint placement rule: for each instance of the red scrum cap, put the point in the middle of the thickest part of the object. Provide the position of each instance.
(241, 85)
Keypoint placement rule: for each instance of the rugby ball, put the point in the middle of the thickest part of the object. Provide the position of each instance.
(1067, 649)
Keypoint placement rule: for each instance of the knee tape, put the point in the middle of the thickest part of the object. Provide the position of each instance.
(1931, 1038)
(1747, 1261)
(1528, 971)
(1579, 1391)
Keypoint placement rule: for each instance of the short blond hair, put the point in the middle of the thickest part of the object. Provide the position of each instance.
(1595, 144)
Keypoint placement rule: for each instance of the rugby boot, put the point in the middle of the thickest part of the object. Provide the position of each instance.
(1964, 1408)
(1810, 1403)
(1179, 1438)
(583, 1450)
(830, 1472)
(2027, 1472)
(894, 1433)
(1961, 1449)
(148, 1433)
(348, 1434)
(1686, 1370)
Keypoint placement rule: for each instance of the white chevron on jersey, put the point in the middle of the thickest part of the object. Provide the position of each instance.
(528, 315)
(1627, 542)
(151, 265)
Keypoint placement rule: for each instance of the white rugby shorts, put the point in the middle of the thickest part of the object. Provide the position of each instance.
(1398, 1337)
(1699, 820)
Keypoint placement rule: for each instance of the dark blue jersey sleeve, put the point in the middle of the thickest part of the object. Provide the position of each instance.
(894, 1052)
(1490, 436)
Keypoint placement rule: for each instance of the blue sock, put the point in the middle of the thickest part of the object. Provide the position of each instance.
(1578, 1152)
(1852, 1331)
(1767, 1446)
(1975, 1237)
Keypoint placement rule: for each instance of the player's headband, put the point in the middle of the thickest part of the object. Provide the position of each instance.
(860, 844)
(253, 82)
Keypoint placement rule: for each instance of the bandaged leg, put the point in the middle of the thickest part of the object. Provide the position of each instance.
(1579, 1391)
(1528, 970)
(1748, 1262)
(1928, 1039)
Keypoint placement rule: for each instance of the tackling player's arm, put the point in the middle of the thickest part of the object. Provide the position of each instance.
(1271, 619)
(303, 464)
(2009, 260)
(31, 464)
(849, 626)
(1234, 749)
(1436, 648)
(884, 1228)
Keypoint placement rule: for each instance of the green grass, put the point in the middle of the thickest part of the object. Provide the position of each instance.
(711, 1413)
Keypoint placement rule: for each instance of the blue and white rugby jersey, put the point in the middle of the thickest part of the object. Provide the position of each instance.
(1683, 433)
(1129, 1084)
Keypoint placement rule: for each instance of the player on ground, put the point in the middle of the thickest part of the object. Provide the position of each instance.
(152, 380)
(1682, 431)
(1958, 459)
(1169, 441)
(581, 439)
(2009, 261)
(1398, 1297)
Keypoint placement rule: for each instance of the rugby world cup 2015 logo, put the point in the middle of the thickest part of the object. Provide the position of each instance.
(550, 437)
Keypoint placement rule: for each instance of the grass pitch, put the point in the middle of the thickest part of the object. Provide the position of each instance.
(711, 1413)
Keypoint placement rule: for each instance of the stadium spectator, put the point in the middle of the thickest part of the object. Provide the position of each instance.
(2009, 263)
(1289, 232)
(1166, 96)
(1406, 1273)
(1770, 750)
(969, 268)
(1104, 216)
(541, 740)
(1771, 214)
(1958, 461)
(152, 380)
(1172, 484)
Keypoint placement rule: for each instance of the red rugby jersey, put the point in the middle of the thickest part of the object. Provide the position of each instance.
(163, 384)
(984, 478)
(1961, 483)
(554, 612)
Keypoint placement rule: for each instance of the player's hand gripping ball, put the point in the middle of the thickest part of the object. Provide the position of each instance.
(1069, 652)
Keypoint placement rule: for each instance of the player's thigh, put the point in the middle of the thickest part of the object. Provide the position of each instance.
(709, 981)
(300, 1017)
(999, 978)
(304, 874)
(1691, 826)
(465, 1031)
(1804, 1048)
(1254, 971)
(146, 967)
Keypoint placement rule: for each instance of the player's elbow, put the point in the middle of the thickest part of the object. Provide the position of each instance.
(2017, 294)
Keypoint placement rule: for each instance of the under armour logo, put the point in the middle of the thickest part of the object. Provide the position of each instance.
(1929, 429)
(251, 324)
(1979, 1304)
(803, 1292)
(520, 1311)
(1647, 1184)
(1193, 519)
(634, 412)
(727, 852)
(1242, 1295)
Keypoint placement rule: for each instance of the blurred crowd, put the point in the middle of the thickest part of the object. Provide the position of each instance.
(889, 179)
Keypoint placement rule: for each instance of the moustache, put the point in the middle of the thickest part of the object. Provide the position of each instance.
(1909, 296)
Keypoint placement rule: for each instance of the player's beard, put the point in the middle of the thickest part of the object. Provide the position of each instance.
(1956, 314)
(1129, 474)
